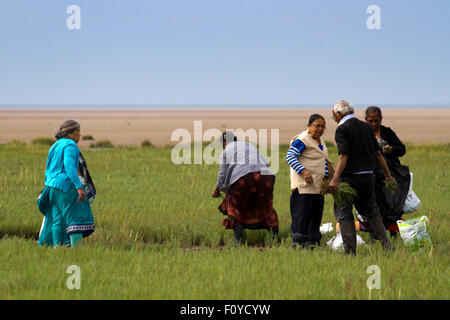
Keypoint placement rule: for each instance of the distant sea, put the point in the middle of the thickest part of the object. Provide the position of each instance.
(206, 106)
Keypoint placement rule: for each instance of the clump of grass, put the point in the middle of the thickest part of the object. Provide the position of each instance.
(391, 186)
(43, 141)
(329, 143)
(88, 137)
(168, 146)
(147, 144)
(102, 144)
(345, 193)
(17, 142)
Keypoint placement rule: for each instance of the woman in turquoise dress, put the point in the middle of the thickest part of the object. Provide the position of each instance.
(67, 212)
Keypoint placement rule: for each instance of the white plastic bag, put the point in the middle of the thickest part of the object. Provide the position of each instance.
(326, 227)
(337, 244)
(412, 202)
(414, 232)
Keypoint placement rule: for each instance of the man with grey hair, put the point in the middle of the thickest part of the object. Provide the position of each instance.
(343, 107)
(358, 156)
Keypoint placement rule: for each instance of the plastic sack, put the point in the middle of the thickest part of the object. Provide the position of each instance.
(414, 232)
(412, 202)
(326, 227)
(337, 244)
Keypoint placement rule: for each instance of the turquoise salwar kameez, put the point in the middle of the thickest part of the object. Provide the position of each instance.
(63, 214)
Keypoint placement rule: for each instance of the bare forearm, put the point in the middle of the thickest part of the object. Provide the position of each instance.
(340, 166)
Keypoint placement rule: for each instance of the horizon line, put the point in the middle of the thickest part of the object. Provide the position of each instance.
(214, 105)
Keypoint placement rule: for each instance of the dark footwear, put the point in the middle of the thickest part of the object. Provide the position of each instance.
(300, 239)
(378, 228)
(348, 233)
(393, 234)
(311, 245)
(373, 237)
(274, 232)
(238, 231)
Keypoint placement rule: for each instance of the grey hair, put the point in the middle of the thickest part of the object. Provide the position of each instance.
(343, 107)
(67, 127)
(227, 136)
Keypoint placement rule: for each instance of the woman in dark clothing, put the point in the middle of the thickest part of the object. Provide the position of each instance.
(390, 205)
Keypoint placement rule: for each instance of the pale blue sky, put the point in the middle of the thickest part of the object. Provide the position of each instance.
(225, 52)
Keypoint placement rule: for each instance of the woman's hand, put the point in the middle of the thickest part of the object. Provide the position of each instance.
(387, 149)
(390, 178)
(333, 186)
(81, 195)
(216, 193)
(307, 175)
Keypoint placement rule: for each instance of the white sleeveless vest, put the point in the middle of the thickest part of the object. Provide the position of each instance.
(313, 159)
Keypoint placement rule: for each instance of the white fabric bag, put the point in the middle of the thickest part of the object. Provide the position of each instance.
(337, 244)
(412, 202)
(326, 227)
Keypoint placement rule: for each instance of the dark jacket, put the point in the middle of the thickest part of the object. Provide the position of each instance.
(398, 148)
(356, 139)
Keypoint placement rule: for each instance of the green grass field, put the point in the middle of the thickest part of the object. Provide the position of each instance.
(159, 236)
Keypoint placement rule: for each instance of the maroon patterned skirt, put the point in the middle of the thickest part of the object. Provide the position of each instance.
(249, 201)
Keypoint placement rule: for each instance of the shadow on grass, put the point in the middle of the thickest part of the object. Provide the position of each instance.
(257, 239)
(21, 233)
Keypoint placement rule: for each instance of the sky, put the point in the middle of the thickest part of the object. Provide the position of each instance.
(224, 52)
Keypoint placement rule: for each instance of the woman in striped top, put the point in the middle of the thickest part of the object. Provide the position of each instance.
(308, 161)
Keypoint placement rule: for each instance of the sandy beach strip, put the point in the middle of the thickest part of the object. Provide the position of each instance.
(131, 126)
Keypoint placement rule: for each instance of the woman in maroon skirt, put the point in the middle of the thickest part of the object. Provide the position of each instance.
(248, 183)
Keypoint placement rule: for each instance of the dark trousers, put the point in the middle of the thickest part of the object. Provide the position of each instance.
(365, 202)
(306, 213)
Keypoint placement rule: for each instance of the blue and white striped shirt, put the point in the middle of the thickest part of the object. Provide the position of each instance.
(295, 151)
